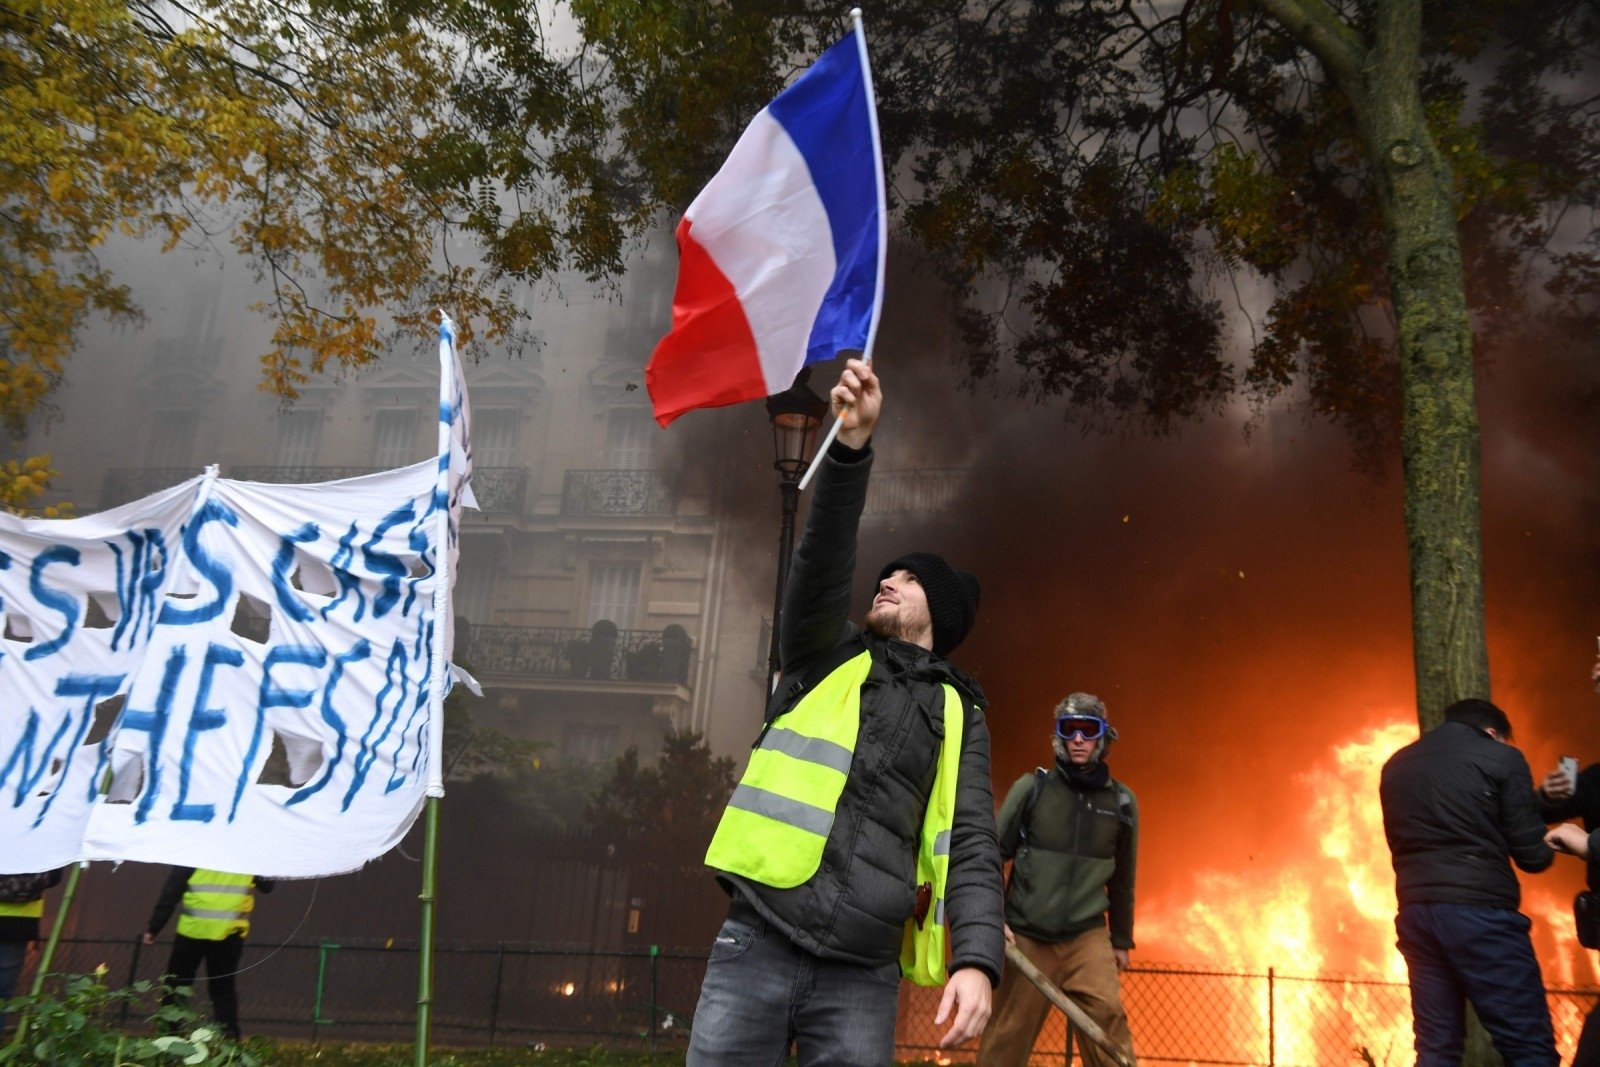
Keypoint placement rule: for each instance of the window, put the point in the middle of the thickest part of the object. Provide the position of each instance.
(630, 440)
(476, 577)
(586, 743)
(396, 438)
(298, 435)
(172, 438)
(494, 437)
(613, 593)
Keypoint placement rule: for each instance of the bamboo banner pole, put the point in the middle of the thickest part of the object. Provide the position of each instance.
(452, 408)
(1087, 1026)
(430, 854)
(48, 955)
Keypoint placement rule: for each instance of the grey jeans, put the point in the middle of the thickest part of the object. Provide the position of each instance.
(762, 993)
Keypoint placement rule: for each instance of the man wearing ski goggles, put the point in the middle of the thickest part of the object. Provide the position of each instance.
(1081, 727)
(1071, 834)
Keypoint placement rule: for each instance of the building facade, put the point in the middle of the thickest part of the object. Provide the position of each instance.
(592, 595)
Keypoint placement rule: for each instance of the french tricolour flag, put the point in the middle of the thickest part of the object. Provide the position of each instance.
(781, 255)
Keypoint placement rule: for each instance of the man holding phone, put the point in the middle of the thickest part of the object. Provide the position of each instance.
(1458, 811)
(1566, 795)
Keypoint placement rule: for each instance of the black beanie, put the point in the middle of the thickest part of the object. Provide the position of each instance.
(952, 596)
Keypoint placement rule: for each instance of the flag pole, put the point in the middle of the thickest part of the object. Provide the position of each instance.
(448, 370)
(883, 230)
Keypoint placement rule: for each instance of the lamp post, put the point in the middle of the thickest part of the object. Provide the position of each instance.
(795, 413)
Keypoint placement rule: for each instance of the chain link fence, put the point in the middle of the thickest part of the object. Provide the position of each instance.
(513, 994)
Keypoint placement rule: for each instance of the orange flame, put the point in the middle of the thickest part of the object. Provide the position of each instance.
(1333, 910)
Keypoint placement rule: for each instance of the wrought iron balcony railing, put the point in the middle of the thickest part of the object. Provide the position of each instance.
(123, 484)
(297, 475)
(600, 653)
(619, 492)
(913, 492)
(498, 489)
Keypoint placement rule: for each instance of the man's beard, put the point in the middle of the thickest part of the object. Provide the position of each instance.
(881, 623)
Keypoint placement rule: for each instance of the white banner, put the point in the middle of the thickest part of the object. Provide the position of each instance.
(266, 664)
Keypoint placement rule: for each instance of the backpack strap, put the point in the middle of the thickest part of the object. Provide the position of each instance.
(1039, 777)
(787, 696)
(1124, 803)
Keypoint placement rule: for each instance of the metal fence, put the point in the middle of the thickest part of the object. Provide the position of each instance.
(512, 994)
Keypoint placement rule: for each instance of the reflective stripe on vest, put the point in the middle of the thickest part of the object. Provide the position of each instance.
(28, 909)
(778, 819)
(216, 905)
(922, 948)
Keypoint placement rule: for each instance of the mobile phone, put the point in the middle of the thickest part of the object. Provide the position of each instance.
(1569, 766)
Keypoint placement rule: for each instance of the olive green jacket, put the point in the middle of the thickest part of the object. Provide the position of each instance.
(1074, 865)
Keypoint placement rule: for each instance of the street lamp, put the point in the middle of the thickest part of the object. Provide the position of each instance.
(795, 413)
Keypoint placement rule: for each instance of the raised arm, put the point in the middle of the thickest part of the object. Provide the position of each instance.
(816, 601)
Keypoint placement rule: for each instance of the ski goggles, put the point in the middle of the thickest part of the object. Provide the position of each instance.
(1082, 727)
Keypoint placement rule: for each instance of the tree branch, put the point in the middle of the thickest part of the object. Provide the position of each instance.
(1321, 31)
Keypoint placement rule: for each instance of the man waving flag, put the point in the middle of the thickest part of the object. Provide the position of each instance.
(782, 253)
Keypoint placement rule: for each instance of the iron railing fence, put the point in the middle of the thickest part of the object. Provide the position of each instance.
(595, 653)
(517, 994)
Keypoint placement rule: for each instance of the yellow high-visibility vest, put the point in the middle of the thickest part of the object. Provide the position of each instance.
(922, 950)
(28, 909)
(777, 822)
(216, 905)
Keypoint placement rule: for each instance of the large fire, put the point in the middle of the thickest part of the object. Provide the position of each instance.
(1318, 932)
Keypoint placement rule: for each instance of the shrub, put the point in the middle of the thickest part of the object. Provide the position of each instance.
(78, 1027)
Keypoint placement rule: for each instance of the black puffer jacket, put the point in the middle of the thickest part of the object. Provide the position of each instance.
(855, 907)
(1456, 804)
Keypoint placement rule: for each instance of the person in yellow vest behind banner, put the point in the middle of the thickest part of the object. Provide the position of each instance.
(859, 845)
(213, 920)
(21, 907)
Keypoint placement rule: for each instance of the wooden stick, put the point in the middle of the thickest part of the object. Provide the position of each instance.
(1087, 1026)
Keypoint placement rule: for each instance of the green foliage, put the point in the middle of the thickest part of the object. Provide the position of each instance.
(674, 804)
(371, 159)
(1087, 175)
(78, 1027)
(539, 799)
(472, 749)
